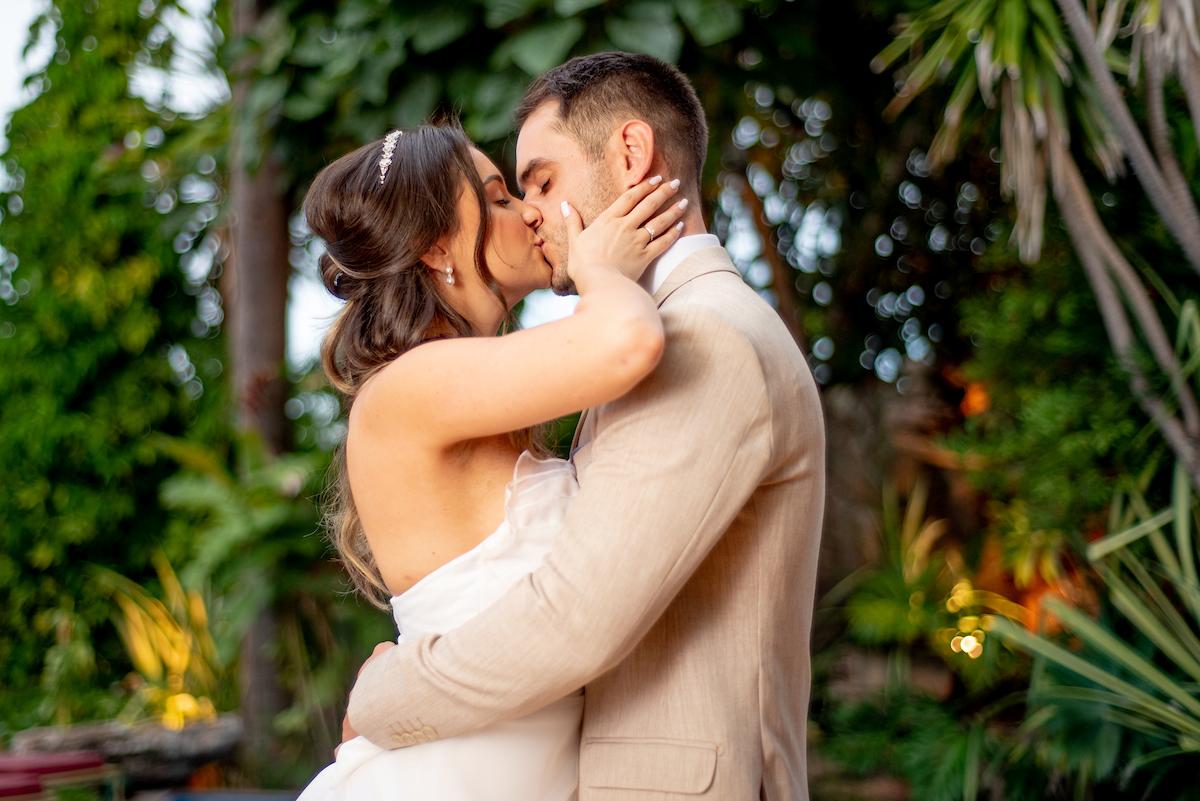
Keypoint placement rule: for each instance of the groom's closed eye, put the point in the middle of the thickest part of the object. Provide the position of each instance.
(536, 176)
(538, 188)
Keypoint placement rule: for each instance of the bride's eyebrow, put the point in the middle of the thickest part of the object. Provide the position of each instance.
(495, 178)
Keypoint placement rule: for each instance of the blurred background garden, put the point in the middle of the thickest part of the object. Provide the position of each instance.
(977, 217)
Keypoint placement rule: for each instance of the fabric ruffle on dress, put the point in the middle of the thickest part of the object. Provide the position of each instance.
(535, 502)
(533, 758)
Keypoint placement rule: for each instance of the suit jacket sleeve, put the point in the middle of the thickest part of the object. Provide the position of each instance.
(671, 465)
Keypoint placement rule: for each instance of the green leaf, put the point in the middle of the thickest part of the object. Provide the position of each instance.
(310, 51)
(302, 107)
(502, 12)
(662, 40)
(1098, 637)
(1010, 35)
(1163, 607)
(495, 98)
(356, 13)
(650, 11)
(1055, 653)
(348, 52)
(1182, 505)
(538, 49)
(265, 95)
(274, 48)
(440, 27)
(1140, 715)
(566, 8)
(1113, 542)
(1156, 630)
(710, 21)
(314, 98)
(275, 37)
(416, 100)
(377, 72)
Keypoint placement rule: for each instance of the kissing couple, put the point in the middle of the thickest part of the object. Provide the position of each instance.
(631, 624)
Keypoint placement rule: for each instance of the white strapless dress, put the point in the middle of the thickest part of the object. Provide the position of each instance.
(534, 758)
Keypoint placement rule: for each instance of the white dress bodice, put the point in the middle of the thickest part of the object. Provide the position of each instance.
(533, 758)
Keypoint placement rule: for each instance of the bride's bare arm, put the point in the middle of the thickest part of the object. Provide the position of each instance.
(453, 390)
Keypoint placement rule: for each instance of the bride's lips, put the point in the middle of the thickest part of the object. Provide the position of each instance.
(540, 244)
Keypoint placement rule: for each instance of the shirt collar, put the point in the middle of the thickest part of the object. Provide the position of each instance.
(656, 274)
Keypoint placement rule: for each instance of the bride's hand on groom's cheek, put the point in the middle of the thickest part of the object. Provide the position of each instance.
(348, 733)
(635, 230)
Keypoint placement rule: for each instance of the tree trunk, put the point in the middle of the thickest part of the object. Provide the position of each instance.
(782, 275)
(256, 301)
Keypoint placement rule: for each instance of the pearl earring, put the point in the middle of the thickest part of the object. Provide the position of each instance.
(450, 276)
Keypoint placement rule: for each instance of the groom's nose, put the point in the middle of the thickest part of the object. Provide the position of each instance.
(531, 215)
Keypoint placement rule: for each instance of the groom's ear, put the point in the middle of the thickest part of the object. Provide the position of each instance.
(635, 151)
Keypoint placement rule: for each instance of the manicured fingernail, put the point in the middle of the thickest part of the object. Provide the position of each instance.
(675, 184)
(566, 208)
(679, 225)
(656, 180)
(683, 203)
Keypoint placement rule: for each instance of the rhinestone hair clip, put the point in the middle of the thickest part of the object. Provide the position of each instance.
(389, 147)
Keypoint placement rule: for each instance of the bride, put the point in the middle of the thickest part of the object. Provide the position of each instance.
(446, 493)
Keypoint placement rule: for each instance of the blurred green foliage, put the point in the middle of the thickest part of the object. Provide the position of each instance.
(912, 736)
(94, 303)
(324, 77)
(1055, 431)
(252, 522)
(1137, 666)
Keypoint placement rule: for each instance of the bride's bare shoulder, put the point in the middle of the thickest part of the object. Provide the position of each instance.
(386, 397)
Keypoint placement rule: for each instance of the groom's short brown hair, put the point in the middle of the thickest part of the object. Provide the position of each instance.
(592, 91)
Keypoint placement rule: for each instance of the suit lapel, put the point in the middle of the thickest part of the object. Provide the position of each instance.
(702, 262)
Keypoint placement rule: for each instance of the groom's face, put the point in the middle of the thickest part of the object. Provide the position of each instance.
(551, 168)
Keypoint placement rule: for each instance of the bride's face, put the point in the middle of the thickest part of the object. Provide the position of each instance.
(513, 251)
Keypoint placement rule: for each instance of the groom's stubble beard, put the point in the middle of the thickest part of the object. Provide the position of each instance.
(595, 196)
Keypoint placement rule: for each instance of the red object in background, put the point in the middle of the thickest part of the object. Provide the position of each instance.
(21, 787)
(64, 765)
(55, 771)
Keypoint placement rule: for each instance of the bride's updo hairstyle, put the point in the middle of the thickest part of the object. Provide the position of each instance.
(375, 233)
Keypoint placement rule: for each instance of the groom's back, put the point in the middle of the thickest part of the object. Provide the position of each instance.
(712, 702)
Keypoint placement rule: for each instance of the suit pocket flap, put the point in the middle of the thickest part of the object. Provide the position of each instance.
(668, 766)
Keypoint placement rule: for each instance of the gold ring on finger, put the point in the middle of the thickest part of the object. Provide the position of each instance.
(650, 231)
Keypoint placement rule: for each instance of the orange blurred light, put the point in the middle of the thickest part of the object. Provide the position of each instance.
(975, 401)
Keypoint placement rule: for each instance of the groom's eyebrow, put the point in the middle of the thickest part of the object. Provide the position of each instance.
(530, 169)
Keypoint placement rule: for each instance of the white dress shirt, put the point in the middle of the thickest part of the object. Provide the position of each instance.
(656, 274)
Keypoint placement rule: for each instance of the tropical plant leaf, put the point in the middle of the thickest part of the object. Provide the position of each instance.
(710, 21)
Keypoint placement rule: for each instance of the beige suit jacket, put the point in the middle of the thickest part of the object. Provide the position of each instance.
(680, 591)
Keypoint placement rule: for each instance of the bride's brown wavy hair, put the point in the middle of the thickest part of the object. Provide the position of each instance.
(375, 234)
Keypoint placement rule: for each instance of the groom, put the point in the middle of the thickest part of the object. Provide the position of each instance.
(680, 590)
